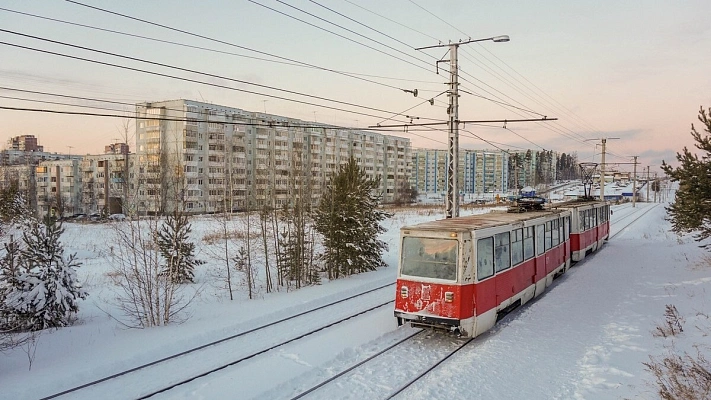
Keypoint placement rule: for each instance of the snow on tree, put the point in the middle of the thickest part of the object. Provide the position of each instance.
(691, 209)
(13, 206)
(176, 248)
(46, 291)
(349, 221)
(10, 272)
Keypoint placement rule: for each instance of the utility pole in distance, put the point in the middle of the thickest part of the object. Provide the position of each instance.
(647, 200)
(603, 142)
(452, 201)
(634, 182)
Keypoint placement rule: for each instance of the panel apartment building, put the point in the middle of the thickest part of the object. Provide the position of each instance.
(208, 158)
(480, 171)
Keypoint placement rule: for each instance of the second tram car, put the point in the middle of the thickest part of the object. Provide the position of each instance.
(463, 274)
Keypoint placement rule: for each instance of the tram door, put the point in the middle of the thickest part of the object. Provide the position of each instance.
(540, 260)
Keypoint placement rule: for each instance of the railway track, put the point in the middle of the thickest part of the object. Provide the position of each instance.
(216, 346)
(434, 364)
(433, 349)
(636, 215)
(417, 375)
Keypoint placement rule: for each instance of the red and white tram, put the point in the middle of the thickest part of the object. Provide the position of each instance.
(590, 227)
(464, 273)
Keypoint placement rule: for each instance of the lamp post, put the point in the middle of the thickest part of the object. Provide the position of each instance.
(452, 201)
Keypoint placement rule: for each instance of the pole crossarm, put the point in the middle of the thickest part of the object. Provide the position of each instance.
(502, 38)
(488, 121)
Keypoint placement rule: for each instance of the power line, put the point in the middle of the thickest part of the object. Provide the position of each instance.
(431, 101)
(205, 37)
(268, 124)
(391, 20)
(501, 102)
(361, 24)
(196, 81)
(524, 138)
(342, 36)
(194, 71)
(61, 104)
(487, 51)
(539, 89)
(294, 63)
(432, 14)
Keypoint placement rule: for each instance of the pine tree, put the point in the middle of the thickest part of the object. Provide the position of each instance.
(173, 240)
(10, 272)
(349, 221)
(47, 291)
(691, 210)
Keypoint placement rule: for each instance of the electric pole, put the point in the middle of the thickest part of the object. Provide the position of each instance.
(656, 187)
(452, 205)
(634, 183)
(452, 201)
(647, 199)
(602, 171)
(603, 142)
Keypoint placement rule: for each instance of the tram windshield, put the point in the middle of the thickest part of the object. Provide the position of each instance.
(429, 258)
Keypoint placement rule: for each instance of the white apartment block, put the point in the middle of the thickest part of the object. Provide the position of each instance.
(105, 181)
(480, 171)
(24, 176)
(58, 187)
(210, 158)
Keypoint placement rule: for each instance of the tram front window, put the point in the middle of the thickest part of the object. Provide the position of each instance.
(429, 258)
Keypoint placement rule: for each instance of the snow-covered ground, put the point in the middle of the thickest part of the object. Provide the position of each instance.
(586, 338)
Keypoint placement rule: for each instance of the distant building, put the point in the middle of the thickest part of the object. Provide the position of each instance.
(213, 158)
(58, 187)
(24, 177)
(480, 171)
(24, 143)
(116, 148)
(106, 180)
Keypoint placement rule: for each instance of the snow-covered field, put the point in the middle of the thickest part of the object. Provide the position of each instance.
(586, 338)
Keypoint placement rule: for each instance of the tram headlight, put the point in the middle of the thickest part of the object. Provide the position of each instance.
(404, 292)
(448, 297)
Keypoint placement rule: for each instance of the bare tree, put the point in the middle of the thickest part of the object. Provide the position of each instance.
(145, 295)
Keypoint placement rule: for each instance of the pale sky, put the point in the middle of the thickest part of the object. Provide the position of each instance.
(633, 70)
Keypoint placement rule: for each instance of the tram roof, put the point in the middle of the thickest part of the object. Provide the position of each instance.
(479, 221)
(495, 218)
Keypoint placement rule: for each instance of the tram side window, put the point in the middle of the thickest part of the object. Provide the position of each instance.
(597, 216)
(540, 239)
(581, 221)
(502, 254)
(484, 258)
(528, 251)
(548, 235)
(555, 237)
(516, 246)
